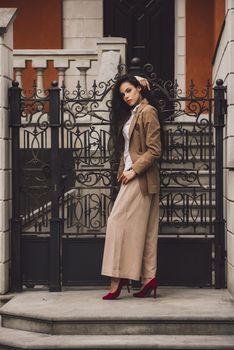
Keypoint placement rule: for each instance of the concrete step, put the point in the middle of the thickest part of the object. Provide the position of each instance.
(175, 311)
(14, 339)
(144, 326)
(190, 163)
(189, 191)
(187, 125)
(187, 230)
(186, 178)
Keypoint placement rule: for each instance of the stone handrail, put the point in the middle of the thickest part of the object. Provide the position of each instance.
(90, 63)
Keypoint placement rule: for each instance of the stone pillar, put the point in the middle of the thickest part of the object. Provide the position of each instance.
(180, 51)
(111, 53)
(7, 16)
(82, 23)
(61, 64)
(40, 64)
(19, 65)
(83, 67)
(180, 38)
(229, 141)
(223, 68)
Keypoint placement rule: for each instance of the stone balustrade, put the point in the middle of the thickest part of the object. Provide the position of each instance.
(73, 65)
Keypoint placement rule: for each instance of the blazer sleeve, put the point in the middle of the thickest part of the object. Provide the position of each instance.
(152, 141)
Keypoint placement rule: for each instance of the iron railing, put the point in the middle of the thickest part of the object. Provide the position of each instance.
(64, 168)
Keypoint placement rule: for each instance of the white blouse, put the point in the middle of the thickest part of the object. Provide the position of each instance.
(127, 158)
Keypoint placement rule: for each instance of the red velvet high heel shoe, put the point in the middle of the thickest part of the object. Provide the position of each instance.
(146, 291)
(110, 296)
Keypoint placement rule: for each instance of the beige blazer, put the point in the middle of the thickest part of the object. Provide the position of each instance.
(145, 148)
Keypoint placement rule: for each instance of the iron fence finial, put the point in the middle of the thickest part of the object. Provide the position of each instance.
(54, 83)
(219, 82)
(135, 67)
(15, 83)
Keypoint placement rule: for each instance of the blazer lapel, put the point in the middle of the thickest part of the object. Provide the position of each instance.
(134, 120)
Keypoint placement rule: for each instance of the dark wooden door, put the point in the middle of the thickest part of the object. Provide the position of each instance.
(148, 26)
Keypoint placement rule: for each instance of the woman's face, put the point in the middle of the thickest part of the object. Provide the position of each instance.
(130, 94)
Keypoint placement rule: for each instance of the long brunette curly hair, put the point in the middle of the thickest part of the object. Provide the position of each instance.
(121, 111)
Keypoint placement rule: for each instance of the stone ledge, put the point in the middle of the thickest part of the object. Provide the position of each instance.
(171, 304)
(4, 246)
(54, 52)
(28, 340)
(230, 279)
(4, 277)
(7, 15)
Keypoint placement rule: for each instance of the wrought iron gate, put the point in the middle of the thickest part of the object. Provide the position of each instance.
(63, 173)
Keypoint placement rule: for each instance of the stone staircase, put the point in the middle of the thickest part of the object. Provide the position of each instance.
(179, 318)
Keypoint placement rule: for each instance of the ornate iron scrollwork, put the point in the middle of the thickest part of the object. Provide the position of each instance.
(89, 166)
(187, 174)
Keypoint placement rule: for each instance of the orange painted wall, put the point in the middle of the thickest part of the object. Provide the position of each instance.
(219, 14)
(38, 25)
(199, 41)
(203, 24)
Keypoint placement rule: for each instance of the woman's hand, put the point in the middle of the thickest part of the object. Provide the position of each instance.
(143, 81)
(127, 176)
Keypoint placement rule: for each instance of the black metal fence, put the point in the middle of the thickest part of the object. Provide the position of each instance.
(64, 171)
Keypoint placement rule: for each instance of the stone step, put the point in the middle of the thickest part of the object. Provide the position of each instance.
(143, 326)
(190, 163)
(179, 219)
(178, 128)
(178, 311)
(188, 123)
(15, 339)
(186, 230)
(191, 191)
(185, 178)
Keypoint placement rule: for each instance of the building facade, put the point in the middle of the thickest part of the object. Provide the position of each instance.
(76, 39)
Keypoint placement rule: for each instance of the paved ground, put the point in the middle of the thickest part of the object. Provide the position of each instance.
(186, 303)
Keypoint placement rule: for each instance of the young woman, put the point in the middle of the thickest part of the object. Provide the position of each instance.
(132, 227)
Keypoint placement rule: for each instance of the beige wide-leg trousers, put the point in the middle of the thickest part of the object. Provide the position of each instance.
(131, 237)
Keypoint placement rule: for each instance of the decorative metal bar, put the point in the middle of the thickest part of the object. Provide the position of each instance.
(56, 180)
(15, 117)
(68, 178)
(220, 104)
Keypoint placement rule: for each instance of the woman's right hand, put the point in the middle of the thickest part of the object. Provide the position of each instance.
(127, 176)
(143, 81)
